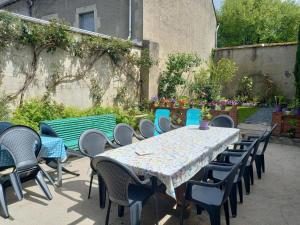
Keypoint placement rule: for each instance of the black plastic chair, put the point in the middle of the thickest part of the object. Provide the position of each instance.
(211, 196)
(147, 128)
(23, 143)
(4, 125)
(165, 125)
(91, 143)
(260, 154)
(123, 186)
(238, 181)
(123, 134)
(222, 121)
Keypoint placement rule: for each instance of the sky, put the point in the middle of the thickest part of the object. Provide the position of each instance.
(218, 3)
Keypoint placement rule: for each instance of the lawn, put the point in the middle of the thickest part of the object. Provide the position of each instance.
(245, 112)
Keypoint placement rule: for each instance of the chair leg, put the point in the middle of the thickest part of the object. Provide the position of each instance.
(120, 211)
(199, 210)
(226, 210)
(90, 188)
(251, 174)
(182, 212)
(240, 186)
(107, 213)
(136, 213)
(247, 180)
(214, 215)
(262, 162)
(258, 166)
(48, 177)
(233, 200)
(40, 180)
(3, 202)
(102, 192)
(15, 183)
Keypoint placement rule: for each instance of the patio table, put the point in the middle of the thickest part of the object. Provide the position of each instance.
(176, 156)
(52, 147)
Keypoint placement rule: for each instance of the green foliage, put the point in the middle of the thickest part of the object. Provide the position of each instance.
(32, 112)
(210, 80)
(172, 78)
(258, 21)
(244, 112)
(245, 88)
(10, 29)
(4, 108)
(297, 68)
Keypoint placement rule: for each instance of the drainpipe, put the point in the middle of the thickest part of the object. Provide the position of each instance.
(129, 21)
(216, 36)
(30, 4)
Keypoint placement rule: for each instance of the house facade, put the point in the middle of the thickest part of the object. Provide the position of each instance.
(173, 25)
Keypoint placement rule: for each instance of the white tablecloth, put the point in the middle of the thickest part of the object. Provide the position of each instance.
(175, 157)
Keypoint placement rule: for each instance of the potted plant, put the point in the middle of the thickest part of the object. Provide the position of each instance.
(295, 106)
(162, 102)
(223, 104)
(172, 102)
(154, 102)
(279, 103)
(192, 104)
(181, 103)
(206, 118)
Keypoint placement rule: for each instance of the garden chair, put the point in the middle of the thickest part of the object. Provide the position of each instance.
(158, 114)
(211, 196)
(4, 125)
(248, 173)
(123, 134)
(91, 143)
(238, 180)
(222, 121)
(193, 117)
(147, 128)
(165, 125)
(23, 143)
(124, 187)
(260, 155)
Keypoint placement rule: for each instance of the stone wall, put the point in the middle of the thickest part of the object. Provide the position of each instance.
(16, 61)
(275, 61)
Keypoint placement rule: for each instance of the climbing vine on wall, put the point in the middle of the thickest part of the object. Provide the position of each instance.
(55, 35)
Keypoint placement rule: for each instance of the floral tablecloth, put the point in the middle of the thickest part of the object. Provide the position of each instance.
(175, 157)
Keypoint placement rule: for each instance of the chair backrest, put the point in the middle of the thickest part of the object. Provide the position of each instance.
(246, 156)
(22, 143)
(222, 121)
(193, 117)
(229, 182)
(4, 125)
(160, 113)
(259, 141)
(147, 128)
(117, 178)
(164, 124)
(267, 138)
(92, 142)
(123, 134)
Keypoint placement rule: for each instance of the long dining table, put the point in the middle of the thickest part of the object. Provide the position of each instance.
(176, 156)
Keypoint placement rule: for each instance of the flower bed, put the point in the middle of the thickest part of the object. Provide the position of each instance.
(287, 125)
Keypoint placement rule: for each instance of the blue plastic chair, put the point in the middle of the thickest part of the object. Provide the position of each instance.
(193, 117)
(158, 114)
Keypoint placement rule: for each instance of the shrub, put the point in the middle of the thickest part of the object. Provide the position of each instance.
(245, 88)
(172, 78)
(31, 113)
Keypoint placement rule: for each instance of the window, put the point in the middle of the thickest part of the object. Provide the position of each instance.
(86, 21)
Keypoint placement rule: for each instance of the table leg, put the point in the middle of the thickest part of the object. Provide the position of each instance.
(180, 195)
(59, 172)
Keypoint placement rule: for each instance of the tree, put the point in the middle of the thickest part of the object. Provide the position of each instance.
(258, 21)
(297, 68)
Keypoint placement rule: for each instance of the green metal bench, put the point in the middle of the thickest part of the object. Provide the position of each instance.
(70, 129)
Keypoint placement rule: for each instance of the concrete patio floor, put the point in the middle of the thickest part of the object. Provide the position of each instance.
(274, 200)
